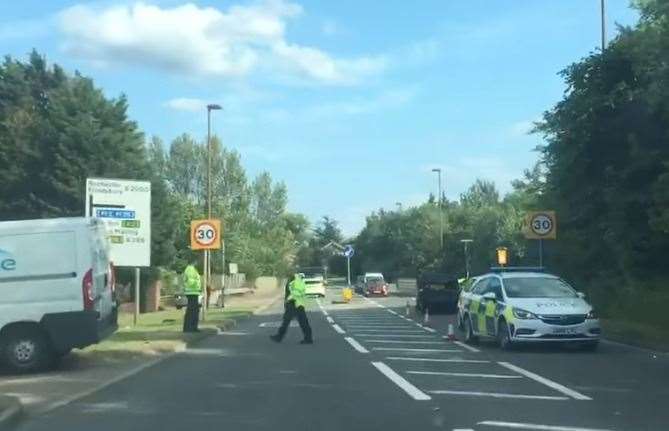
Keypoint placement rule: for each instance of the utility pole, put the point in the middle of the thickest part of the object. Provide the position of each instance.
(603, 14)
(441, 212)
(466, 242)
(207, 261)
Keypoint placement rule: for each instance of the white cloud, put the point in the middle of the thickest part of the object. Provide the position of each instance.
(522, 128)
(187, 104)
(330, 28)
(189, 39)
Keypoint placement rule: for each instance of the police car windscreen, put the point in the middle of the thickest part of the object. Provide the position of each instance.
(537, 287)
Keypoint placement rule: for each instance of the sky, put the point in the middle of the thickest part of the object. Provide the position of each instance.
(351, 103)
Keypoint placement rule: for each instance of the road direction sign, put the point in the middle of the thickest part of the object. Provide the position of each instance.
(205, 234)
(540, 225)
(348, 251)
(125, 208)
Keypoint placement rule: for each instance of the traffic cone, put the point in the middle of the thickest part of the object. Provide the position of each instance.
(408, 310)
(426, 317)
(451, 332)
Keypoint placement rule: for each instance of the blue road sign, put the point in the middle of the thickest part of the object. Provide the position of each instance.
(348, 251)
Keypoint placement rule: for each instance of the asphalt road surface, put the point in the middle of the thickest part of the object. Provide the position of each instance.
(372, 368)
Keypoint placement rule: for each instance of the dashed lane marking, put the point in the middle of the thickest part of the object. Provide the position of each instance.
(449, 374)
(357, 346)
(406, 349)
(498, 395)
(439, 343)
(465, 346)
(386, 335)
(330, 320)
(407, 387)
(551, 384)
(338, 329)
(456, 360)
(538, 427)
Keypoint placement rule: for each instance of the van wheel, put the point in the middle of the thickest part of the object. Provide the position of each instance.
(26, 349)
(470, 338)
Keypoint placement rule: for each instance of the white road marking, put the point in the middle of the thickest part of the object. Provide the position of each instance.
(407, 387)
(338, 329)
(377, 326)
(440, 343)
(318, 301)
(428, 329)
(551, 384)
(357, 346)
(386, 335)
(465, 346)
(330, 319)
(392, 312)
(484, 376)
(394, 332)
(467, 361)
(405, 349)
(462, 429)
(523, 426)
(498, 395)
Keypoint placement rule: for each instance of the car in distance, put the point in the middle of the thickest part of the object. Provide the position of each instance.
(437, 292)
(517, 305)
(376, 286)
(314, 279)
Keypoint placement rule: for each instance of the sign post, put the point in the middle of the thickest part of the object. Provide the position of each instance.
(125, 208)
(540, 225)
(205, 235)
(348, 252)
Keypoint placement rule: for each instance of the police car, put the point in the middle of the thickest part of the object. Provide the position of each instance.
(526, 305)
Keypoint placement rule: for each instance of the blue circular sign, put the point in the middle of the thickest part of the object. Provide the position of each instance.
(348, 251)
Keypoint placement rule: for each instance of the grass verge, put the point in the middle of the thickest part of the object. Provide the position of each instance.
(158, 333)
(636, 334)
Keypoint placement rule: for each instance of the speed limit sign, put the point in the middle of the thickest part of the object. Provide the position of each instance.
(205, 234)
(540, 225)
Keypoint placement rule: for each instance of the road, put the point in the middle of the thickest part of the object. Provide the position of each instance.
(371, 368)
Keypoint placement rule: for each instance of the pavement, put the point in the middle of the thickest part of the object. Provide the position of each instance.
(372, 368)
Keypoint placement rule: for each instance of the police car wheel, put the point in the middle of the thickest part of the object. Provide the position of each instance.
(469, 333)
(503, 337)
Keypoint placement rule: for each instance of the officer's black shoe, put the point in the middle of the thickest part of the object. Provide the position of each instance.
(275, 338)
(307, 342)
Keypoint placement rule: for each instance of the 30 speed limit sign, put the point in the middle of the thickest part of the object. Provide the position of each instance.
(205, 234)
(541, 225)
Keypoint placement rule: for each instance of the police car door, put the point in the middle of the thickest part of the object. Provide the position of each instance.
(476, 305)
(493, 308)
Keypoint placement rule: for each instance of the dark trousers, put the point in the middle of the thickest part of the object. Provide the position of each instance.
(192, 316)
(289, 314)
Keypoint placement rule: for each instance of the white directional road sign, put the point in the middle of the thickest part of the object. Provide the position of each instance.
(125, 207)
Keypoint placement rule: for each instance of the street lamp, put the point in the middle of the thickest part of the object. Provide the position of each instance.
(466, 243)
(207, 260)
(441, 213)
(603, 16)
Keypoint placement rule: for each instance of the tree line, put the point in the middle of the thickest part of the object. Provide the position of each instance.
(603, 167)
(57, 129)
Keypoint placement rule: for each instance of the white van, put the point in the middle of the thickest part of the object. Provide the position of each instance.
(56, 289)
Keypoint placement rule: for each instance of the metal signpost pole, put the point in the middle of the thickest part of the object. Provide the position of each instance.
(541, 253)
(348, 269)
(136, 317)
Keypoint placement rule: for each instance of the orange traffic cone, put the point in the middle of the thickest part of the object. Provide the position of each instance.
(451, 332)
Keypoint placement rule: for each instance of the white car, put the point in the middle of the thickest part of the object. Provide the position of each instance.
(315, 285)
(56, 289)
(523, 306)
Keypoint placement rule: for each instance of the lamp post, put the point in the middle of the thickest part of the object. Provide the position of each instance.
(441, 212)
(466, 243)
(603, 16)
(207, 261)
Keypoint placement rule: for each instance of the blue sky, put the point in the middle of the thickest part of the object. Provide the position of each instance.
(350, 103)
